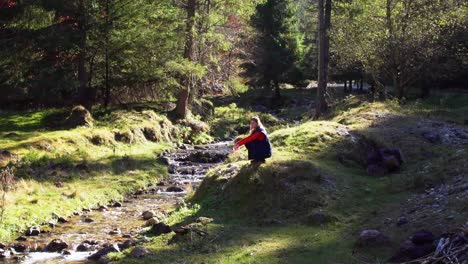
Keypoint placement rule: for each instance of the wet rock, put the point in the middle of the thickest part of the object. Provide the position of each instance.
(66, 252)
(164, 160)
(402, 221)
(88, 220)
(148, 215)
(4, 253)
(102, 208)
(77, 213)
(109, 248)
(162, 183)
(139, 252)
(2, 246)
(422, 237)
(56, 245)
(20, 247)
(92, 242)
(21, 238)
(115, 231)
(127, 244)
(33, 231)
(372, 238)
(84, 247)
(160, 229)
(117, 204)
(174, 189)
(62, 220)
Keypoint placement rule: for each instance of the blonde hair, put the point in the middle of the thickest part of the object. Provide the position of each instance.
(256, 119)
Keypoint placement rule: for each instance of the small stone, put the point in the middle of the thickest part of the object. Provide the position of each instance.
(66, 252)
(88, 220)
(102, 208)
(21, 238)
(139, 252)
(59, 184)
(117, 204)
(161, 183)
(84, 247)
(62, 220)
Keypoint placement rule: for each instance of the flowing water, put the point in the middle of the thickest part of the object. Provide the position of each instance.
(123, 222)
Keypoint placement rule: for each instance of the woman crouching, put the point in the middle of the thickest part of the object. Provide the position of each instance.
(258, 144)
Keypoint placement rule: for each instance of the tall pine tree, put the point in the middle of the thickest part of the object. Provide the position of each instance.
(279, 42)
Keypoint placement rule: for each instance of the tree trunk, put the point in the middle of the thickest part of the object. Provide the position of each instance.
(84, 93)
(183, 98)
(361, 85)
(277, 89)
(107, 95)
(345, 86)
(324, 22)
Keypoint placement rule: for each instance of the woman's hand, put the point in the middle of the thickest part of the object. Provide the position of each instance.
(235, 148)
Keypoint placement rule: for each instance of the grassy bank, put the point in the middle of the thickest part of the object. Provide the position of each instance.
(59, 171)
(310, 201)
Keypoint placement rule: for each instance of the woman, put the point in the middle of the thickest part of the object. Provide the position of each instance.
(258, 144)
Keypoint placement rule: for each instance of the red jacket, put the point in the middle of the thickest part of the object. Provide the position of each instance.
(253, 137)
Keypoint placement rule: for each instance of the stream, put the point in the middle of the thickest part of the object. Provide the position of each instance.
(121, 223)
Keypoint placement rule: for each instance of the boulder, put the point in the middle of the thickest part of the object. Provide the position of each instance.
(79, 116)
(56, 245)
(372, 238)
(139, 252)
(84, 247)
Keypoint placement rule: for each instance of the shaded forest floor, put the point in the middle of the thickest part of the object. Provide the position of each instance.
(265, 214)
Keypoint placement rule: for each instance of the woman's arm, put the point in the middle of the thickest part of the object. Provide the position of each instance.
(254, 136)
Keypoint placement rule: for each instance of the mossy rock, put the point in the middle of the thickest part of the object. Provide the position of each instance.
(103, 138)
(124, 136)
(79, 116)
(152, 134)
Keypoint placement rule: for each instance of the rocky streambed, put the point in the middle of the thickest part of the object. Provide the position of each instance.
(90, 234)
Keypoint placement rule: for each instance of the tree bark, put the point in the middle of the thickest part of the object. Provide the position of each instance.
(107, 88)
(345, 86)
(324, 23)
(189, 54)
